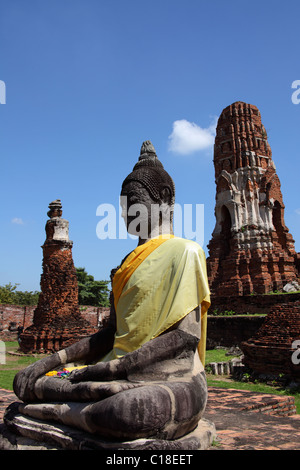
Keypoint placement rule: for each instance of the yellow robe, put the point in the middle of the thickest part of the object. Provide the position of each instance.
(158, 284)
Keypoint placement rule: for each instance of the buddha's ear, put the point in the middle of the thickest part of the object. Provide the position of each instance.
(165, 195)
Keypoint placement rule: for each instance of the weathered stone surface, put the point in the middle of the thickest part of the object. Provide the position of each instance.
(251, 250)
(21, 432)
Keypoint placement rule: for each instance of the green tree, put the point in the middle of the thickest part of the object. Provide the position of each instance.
(9, 295)
(26, 297)
(91, 292)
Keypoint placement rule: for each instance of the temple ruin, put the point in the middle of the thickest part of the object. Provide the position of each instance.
(57, 321)
(251, 250)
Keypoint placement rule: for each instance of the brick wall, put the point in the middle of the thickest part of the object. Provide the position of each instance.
(13, 316)
(231, 330)
(262, 304)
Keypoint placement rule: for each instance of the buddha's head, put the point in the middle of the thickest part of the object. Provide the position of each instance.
(148, 196)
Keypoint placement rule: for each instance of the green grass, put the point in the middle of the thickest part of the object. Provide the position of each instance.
(13, 364)
(216, 355)
(7, 378)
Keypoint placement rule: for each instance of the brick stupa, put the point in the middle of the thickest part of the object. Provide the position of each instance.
(251, 250)
(57, 321)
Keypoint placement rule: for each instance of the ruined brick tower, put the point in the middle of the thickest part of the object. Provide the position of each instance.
(251, 250)
(57, 321)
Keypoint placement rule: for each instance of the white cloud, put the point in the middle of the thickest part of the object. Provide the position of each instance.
(17, 221)
(297, 211)
(187, 137)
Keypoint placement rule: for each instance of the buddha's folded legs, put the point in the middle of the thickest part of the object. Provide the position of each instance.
(164, 410)
(50, 389)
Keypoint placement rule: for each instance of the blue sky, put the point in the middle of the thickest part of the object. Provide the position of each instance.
(87, 81)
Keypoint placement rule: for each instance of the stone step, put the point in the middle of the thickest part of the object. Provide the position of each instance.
(224, 367)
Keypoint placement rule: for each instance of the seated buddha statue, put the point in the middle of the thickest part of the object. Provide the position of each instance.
(142, 375)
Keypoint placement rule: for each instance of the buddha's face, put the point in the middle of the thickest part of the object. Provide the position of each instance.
(136, 204)
(144, 216)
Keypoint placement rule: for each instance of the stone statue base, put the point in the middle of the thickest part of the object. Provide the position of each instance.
(22, 432)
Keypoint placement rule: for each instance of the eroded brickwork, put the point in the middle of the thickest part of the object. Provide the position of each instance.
(57, 320)
(251, 250)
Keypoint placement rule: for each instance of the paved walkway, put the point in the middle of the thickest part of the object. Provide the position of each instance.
(240, 418)
(243, 421)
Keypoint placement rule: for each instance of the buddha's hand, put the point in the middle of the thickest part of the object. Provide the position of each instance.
(103, 371)
(25, 379)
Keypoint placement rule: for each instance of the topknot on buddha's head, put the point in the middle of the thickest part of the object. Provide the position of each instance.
(149, 171)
